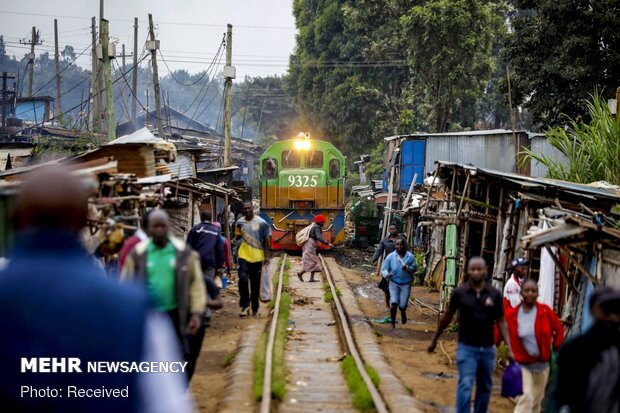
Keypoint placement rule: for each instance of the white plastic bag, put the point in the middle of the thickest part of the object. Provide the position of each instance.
(265, 285)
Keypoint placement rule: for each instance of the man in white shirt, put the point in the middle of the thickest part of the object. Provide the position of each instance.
(512, 289)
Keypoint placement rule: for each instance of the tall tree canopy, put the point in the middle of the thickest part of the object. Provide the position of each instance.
(560, 51)
(365, 69)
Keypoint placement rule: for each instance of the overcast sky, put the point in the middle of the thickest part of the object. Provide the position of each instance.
(190, 31)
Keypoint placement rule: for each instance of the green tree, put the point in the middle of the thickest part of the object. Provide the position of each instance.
(450, 51)
(591, 148)
(561, 50)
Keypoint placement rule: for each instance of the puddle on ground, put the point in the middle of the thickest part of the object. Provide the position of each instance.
(369, 292)
(438, 376)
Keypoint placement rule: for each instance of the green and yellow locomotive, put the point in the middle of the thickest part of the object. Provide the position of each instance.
(301, 178)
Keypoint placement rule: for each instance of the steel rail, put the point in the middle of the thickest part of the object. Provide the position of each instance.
(265, 404)
(377, 399)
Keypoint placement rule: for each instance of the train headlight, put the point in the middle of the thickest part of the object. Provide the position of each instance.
(302, 145)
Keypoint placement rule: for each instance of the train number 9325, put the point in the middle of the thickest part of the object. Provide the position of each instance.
(303, 181)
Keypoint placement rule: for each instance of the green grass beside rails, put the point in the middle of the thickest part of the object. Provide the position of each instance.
(362, 400)
(328, 296)
(230, 357)
(258, 361)
(278, 376)
(285, 281)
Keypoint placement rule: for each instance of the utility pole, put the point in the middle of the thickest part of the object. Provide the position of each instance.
(57, 57)
(229, 74)
(94, 83)
(123, 83)
(34, 41)
(7, 98)
(107, 75)
(153, 45)
(101, 75)
(134, 72)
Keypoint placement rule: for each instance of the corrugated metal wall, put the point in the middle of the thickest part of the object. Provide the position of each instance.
(541, 146)
(484, 151)
(183, 166)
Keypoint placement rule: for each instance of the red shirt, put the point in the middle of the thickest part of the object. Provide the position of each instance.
(547, 329)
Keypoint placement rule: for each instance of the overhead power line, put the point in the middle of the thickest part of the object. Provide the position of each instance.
(160, 22)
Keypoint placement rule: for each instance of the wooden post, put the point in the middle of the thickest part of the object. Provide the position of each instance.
(122, 88)
(160, 128)
(229, 75)
(465, 192)
(94, 84)
(134, 73)
(33, 41)
(107, 74)
(57, 64)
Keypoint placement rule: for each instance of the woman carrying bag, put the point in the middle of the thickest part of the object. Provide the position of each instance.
(310, 260)
(534, 331)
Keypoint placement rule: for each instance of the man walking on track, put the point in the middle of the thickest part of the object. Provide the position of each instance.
(170, 271)
(479, 306)
(310, 260)
(253, 252)
(57, 302)
(398, 270)
(205, 238)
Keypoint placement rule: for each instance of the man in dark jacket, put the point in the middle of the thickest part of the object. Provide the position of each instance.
(588, 375)
(56, 302)
(206, 239)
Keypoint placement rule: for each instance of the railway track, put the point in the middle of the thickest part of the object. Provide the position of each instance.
(314, 349)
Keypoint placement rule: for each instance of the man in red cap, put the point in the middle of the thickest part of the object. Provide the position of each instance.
(310, 261)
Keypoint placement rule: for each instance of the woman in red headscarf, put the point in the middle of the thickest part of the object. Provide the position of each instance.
(310, 261)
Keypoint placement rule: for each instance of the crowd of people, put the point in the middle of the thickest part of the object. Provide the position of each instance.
(587, 371)
(59, 302)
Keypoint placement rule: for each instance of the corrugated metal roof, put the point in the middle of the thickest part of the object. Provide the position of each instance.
(527, 181)
(466, 133)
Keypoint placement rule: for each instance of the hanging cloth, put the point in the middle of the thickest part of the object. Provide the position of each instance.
(546, 279)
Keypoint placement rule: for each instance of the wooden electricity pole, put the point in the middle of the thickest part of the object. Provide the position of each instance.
(107, 75)
(134, 73)
(123, 100)
(229, 74)
(57, 58)
(34, 41)
(94, 83)
(153, 46)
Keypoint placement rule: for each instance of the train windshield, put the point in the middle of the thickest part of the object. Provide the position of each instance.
(314, 159)
(270, 168)
(290, 159)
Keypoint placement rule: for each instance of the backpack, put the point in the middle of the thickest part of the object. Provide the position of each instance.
(302, 236)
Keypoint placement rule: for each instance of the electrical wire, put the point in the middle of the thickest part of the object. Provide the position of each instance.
(65, 68)
(161, 22)
(203, 74)
(86, 100)
(207, 84)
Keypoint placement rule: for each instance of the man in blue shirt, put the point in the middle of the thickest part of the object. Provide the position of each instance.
(56, 302)
(398, 269)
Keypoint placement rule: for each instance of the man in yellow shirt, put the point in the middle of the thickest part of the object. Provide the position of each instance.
(253, 252)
